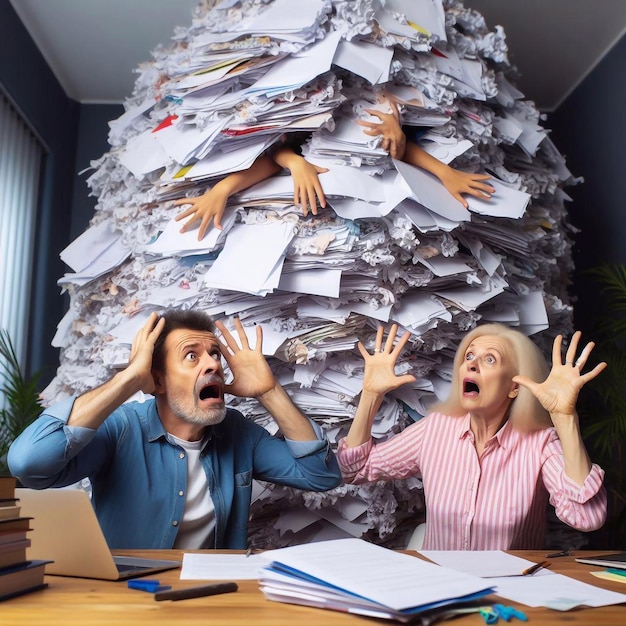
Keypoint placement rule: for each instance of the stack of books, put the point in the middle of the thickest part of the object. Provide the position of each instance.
(18, 575)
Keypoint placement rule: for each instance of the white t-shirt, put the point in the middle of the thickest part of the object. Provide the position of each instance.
(197, 528)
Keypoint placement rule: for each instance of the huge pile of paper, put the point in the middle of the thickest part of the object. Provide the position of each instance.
(392, 246)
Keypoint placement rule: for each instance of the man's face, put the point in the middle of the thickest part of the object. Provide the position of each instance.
(193, 378)
(486, 373)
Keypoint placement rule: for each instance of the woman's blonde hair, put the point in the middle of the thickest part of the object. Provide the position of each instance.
(526, 413)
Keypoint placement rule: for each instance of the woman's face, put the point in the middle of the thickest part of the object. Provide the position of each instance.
(486, 372)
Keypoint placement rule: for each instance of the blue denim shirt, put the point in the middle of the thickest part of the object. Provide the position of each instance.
(139, 477)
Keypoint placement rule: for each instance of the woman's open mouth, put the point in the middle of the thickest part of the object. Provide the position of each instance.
(470, 388)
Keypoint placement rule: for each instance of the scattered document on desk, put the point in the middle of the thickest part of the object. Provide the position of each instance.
(222, 566)
(482, 563)
(543, 588)
(354, 576)
(557, 592)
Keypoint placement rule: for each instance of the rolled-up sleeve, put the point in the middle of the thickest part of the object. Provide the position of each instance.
(352, 460)
(43, 450)
(309, 465)
(583, 507)
(301, 449)
(395, 458)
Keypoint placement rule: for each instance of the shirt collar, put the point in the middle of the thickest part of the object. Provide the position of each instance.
(463, 428)
(155, 427)
(502, 437)
(505, 434)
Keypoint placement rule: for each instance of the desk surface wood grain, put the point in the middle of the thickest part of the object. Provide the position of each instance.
(83, 602)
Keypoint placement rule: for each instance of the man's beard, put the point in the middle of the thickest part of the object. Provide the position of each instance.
(187, 411)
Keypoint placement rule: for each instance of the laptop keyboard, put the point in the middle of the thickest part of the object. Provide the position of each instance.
(121, 568)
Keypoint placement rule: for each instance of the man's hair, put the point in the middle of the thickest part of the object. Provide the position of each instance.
(526, 412)
(175, 319)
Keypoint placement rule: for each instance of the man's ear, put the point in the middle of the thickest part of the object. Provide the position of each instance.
(514, 391)
(159, 384)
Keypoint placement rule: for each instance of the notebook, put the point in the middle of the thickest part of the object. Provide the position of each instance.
(65, 530)
(605, 560)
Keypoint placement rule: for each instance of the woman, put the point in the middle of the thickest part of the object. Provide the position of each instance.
(492, 454)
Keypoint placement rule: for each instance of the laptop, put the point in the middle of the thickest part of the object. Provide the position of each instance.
(65, 530)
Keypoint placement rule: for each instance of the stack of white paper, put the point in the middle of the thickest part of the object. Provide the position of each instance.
(353, 576)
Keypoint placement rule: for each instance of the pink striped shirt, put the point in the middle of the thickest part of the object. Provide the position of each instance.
(496, 502)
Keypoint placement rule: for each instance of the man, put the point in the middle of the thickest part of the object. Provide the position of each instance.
(176, 471)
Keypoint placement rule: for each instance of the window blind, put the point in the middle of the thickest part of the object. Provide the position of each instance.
(20, 163)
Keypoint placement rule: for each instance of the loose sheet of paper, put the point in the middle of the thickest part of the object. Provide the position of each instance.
(544, 588)
(483, 563)
(222, 566)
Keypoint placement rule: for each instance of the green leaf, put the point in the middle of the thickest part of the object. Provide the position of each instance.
(21, 398)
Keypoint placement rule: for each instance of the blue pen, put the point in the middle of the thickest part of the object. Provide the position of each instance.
(145, 584)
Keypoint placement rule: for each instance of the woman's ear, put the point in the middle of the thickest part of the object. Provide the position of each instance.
(514, 391)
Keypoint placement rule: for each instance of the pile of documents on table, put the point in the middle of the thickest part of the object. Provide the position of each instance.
(392, 246)
(353, 576)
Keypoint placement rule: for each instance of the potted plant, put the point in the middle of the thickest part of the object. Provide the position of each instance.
(19, 404)
(603, 409)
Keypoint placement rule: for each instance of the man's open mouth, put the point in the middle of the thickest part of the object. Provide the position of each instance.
(211, 391)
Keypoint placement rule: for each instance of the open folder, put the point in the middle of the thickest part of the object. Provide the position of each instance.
(354, 576)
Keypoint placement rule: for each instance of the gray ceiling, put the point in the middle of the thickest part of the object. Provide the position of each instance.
(93, 46)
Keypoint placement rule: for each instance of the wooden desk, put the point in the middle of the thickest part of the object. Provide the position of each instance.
(83, 602)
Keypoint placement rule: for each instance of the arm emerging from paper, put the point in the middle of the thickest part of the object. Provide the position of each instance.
(307, 188)
(211, 204)
(388, 127)
(457, 183)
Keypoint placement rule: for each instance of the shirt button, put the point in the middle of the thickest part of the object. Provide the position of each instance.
(181, 455)
(180, 493)
(174, 523)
